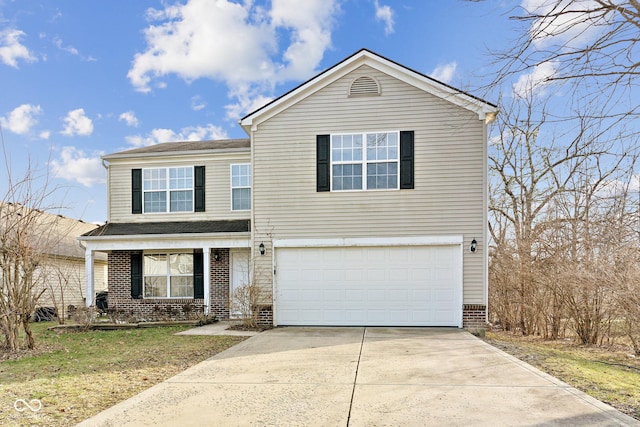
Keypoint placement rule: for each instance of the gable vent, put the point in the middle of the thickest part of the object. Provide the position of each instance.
(364, 86)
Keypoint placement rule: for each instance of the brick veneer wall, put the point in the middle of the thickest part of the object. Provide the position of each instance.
(265, 316)
(119, 297)
(474, 316)
(219, 283)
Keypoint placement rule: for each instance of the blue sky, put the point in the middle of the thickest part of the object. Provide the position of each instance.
(80, 79)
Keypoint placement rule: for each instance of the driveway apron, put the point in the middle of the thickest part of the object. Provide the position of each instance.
(356, 376)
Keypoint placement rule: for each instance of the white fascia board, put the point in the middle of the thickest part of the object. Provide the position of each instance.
(250, 123)
(112, 243)
(435, 88)
(484, 110)
(369, 241)
(175, 155)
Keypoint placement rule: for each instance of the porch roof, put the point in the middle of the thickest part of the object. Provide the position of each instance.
(171, 227)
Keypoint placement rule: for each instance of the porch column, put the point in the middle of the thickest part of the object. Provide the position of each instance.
(206, 260)
(88, 268)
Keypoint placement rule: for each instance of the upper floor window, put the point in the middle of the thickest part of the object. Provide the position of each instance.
(241, 187)
(167, 189)
(365, 161)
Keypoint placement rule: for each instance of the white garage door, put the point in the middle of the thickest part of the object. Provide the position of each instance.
(383, 286)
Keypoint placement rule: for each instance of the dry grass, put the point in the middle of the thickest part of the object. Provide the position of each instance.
(611, 375)
(76, 375)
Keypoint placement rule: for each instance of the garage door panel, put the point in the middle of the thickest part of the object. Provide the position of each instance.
(421, 296)
(399, 295)
(394, 286)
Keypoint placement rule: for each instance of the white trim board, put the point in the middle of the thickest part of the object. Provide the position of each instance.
(369, 241)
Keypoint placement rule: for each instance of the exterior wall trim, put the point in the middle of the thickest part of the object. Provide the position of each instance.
(177, 242)
(369, 241)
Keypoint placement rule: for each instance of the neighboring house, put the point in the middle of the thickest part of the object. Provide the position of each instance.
(354, 201)
(60, 276)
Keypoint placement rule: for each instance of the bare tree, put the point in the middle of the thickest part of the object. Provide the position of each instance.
(589, 47)
(532, 169)
(26, 236)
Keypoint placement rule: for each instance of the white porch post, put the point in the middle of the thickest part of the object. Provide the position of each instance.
(88, 268)
(206, 261)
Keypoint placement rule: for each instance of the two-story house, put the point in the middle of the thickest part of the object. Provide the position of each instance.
(359, 198)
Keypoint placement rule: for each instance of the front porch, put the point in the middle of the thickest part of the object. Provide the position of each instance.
(214, 259)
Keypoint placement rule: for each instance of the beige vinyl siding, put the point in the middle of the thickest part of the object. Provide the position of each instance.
(217, 187)
(448, 198)
(63, 281)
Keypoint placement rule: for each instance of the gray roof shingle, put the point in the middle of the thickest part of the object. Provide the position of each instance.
(173, 227)
(170, 147)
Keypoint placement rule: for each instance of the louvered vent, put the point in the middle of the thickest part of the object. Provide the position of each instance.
(364, 86)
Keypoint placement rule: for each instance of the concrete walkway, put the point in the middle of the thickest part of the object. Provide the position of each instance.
(362, 377)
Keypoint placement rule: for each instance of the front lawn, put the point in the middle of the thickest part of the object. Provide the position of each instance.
(76, 375)
(610, 375)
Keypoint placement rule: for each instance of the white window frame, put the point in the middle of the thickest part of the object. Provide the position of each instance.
(365, 161)
(167, 274)
(240, 186)
(167, 190)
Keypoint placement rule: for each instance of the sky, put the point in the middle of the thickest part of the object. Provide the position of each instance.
(80, 79)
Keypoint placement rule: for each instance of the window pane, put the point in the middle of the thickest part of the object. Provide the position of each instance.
(180, 264)
(241, 199)
(155, 264)
(347, 177)
(181, 201)
(181, 287)
(346, 148)
(382, 146)
(382, 175)
(155, 201)
(154, 179)
(155, 287)
(240, 175)
(180, 178)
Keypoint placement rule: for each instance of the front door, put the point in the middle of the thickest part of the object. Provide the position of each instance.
(240, 289)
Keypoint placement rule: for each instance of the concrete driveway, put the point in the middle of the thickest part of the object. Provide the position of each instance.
(361, 377)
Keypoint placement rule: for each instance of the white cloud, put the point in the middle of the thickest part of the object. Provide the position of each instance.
(197, 103)
(22, 119)
(384, 13)
(77, 123)
(618, 188)
(193, 133)
(562, 27)
(310, 23)
(69, 49)
(445, 72)
(72, 50)
(45, 134)
(248, 99)
(74, 165)
(536, 81)
(11, 49)
(129, 117)
(240, 44)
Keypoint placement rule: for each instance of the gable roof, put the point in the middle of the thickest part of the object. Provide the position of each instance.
(56, 234)
(183, 147)
(485, 110)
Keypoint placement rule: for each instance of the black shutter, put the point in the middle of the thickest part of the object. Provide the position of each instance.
(136, 191)
(198, 275)
(136, 275)
(406, 159)
(199, 188)
(323, 163)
